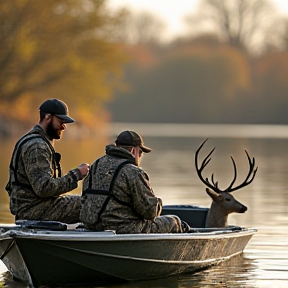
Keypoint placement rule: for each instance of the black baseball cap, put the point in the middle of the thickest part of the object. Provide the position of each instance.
(58, 108)
(131, 138)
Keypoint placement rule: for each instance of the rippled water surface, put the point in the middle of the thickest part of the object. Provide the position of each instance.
(170, 166)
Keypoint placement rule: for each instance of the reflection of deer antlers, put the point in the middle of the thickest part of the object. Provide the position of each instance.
(214, 185)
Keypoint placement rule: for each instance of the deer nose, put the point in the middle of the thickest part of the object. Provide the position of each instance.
(243, 209)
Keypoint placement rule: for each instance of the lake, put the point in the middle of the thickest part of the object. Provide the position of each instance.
(170, 166)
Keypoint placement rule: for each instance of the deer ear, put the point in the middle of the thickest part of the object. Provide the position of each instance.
(212, 193)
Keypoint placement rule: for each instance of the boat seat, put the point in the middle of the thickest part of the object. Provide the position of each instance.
(194, 216)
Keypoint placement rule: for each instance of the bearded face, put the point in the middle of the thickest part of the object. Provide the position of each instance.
(55, 128)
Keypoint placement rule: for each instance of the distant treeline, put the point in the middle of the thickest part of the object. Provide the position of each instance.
(112, 65)
(204, 82)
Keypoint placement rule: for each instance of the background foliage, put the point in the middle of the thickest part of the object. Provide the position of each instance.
(62, 49)
(113, 65)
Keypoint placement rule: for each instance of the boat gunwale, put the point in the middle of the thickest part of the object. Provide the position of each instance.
(111, 236)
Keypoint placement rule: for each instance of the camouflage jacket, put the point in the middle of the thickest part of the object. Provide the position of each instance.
(131, 202)
(33, 174)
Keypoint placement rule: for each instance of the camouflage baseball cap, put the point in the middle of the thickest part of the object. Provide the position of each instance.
(131, 138)
(58, 108)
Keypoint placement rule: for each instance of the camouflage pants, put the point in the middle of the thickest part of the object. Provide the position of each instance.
(65, 209)
(161, 224)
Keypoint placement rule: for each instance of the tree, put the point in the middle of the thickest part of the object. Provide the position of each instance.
(141, 28)
(248, 25)
(271, 87)
(196, 84)
(62, 49)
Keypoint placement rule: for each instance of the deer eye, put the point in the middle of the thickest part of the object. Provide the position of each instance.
(227, 199)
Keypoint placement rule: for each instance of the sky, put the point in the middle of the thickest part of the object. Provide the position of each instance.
(173, 11)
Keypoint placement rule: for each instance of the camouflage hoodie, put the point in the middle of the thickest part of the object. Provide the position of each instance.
(33, 186)
(131, 207)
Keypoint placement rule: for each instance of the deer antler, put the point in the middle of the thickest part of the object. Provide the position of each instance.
(214, 185)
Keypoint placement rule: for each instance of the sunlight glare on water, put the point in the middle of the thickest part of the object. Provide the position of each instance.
(204, 130)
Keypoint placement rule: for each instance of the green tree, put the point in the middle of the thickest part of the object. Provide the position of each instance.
(62, 49)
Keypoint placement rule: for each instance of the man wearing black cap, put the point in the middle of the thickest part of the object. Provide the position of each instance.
(117, 194)
(35, 182)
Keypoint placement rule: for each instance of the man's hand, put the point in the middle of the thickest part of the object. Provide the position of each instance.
(84, 169)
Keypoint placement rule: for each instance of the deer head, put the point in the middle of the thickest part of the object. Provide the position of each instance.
(223, 202)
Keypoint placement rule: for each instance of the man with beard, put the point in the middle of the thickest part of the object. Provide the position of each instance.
(117, 194)
(35, 184)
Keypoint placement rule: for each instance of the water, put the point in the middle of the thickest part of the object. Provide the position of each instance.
(170, 166)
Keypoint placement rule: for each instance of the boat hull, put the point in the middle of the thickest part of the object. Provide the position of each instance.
(52, 257)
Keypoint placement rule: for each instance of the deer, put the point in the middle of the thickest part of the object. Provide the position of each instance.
(223, 203)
